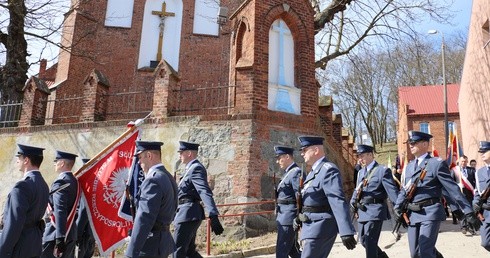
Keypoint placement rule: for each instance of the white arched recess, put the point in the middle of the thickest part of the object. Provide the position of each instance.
(150, 33)
(119, 13)
(205, 17)
(283, 95)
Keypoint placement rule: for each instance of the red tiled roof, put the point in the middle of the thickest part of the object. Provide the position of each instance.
(427, 100)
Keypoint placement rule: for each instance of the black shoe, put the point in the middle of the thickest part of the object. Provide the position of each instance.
(382, 255)
(438, 255)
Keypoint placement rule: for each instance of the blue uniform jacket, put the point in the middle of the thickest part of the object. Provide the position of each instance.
(438, 176)
(25, 206)
(380, 186)
(323, 186)
(156, 205)
(287, 190)
(62, 203)
(194, 186)
(482, 183)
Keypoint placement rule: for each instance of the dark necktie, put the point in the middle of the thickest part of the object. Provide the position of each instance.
(416, 165)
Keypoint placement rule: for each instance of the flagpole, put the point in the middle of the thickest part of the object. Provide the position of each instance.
(130, 130)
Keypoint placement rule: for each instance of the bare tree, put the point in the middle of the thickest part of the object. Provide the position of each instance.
(365, 85)
(27, 23)
(341, 25)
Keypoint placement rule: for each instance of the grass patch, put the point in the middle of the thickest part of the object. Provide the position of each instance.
(229, 246)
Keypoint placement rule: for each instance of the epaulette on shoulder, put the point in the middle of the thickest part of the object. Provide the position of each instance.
(328, 165)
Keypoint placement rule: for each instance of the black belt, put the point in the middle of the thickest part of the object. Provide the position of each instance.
(418, 206)
(286, 201)
(316, 209)
(187, 200)
(160, 227)
(38, 224)
(372, 201)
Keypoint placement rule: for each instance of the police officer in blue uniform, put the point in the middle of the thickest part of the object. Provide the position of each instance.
(22, 222)
(482, 184)
(425, 210)
(325, 212)
(156, 203)
(374, 184)
(85, 238)
(61, 230)
(287, 191)
(193, 188)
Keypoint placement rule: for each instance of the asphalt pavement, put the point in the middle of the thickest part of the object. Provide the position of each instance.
(451, 243)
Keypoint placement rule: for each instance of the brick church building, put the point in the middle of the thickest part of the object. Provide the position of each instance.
(237, 87)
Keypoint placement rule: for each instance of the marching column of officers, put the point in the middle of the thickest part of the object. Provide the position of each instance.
(322, 211)
(313, 203)
(39, 221)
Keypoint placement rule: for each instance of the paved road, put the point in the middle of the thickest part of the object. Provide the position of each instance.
(451, 243)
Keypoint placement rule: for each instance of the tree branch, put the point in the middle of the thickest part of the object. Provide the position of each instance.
(3, 38)
(328, 14)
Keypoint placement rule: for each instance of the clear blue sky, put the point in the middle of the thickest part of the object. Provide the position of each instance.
(461, 10)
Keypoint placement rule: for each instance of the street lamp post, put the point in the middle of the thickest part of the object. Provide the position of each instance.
(446, 123)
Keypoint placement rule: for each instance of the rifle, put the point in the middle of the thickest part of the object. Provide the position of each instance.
(479, 205)
(275, 192)
(364, 183)
(299, 195)
(275, 187)
(407, 200)
(355, 215)
(59, 188)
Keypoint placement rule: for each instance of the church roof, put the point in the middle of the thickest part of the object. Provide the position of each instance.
(40, 84)
(429, 100)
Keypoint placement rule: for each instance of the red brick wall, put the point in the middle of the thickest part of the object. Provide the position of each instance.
(208, 61)
(436, 124)
(474, 101)
(407, 122)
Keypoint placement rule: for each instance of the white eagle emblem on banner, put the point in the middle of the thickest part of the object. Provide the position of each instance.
(116, 185)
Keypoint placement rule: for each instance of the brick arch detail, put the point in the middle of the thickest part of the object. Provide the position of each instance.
(290, 17)
(298, 31)
(242, 28)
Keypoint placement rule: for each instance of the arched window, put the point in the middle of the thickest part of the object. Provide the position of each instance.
(205, 15)
(119, 13)
(283, 95)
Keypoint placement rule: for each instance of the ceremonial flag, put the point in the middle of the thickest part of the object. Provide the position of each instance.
(103, 181)
(135, 178)
(461, 180)
(453, 149)
(404, 169)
